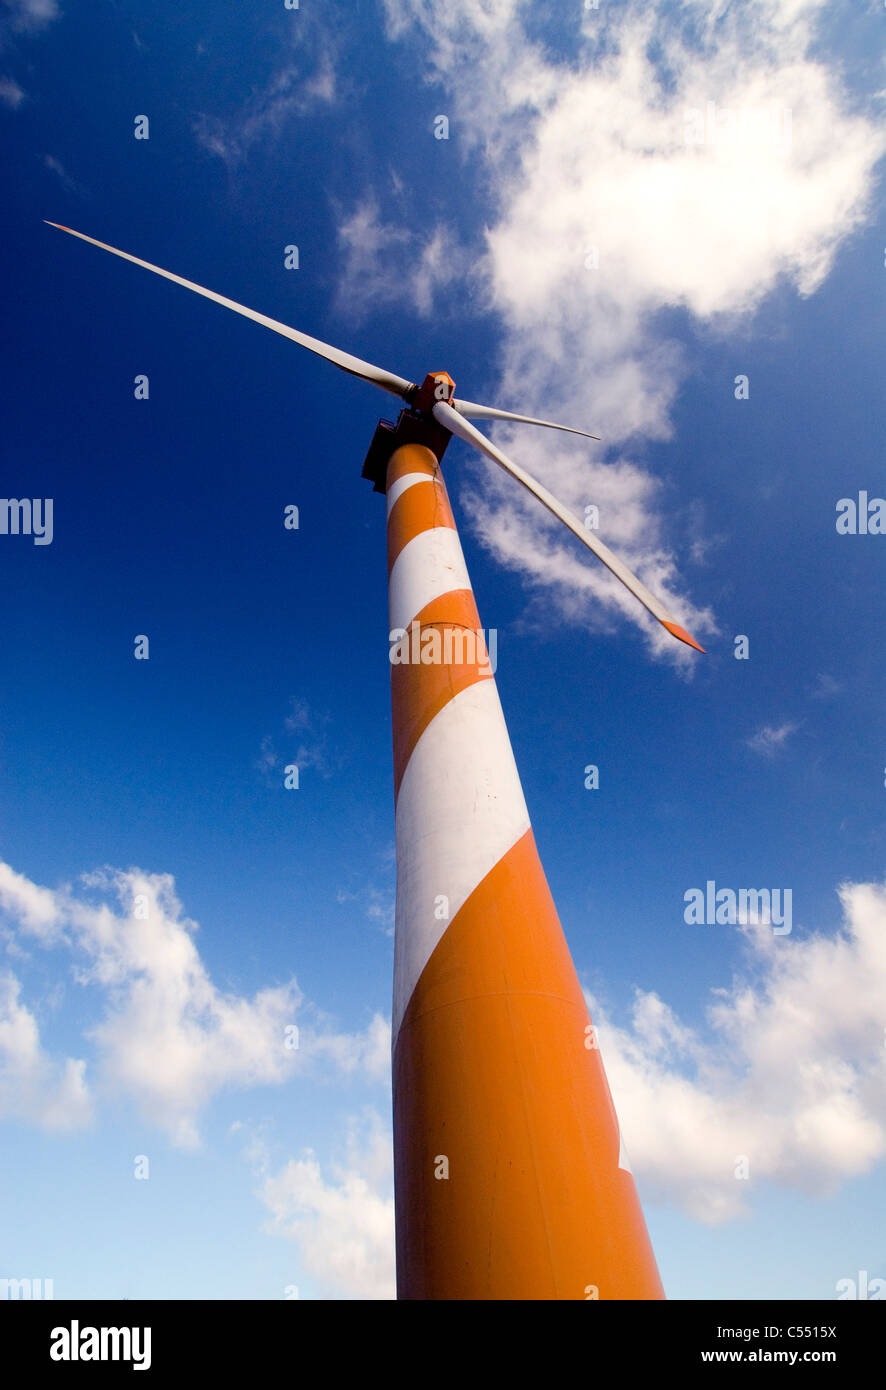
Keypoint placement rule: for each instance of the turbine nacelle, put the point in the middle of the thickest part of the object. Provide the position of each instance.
(437, 386)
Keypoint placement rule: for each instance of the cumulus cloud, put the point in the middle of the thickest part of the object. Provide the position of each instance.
(787, 1083)
(35, 908)
(344, 1224)
(690, 159)
(791, 1075)
(167, 1036)
(35, 1087)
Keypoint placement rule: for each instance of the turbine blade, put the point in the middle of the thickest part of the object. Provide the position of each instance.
(355, 366)
(453, 421)
(489, 412)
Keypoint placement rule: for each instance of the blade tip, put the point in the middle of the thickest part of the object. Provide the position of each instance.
(682, 635)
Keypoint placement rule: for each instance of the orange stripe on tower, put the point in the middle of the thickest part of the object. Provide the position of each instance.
(420, 508)
(494, 1075)
(411, 458)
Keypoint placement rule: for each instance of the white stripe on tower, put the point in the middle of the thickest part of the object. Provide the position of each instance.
(429, 565)
(447, 841)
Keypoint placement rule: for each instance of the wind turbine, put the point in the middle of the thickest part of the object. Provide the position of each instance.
(511, 1179)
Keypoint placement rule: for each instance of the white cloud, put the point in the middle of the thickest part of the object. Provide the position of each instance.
(33, 1086)
(378, 903)
(288, 93)
(11, 93)
(69, 184)
(592, 152)
(267, 758)
(381, 909)
(167, 1036)
(537, 546)
(792, 1074)
(256, 1150)
(826, 687)
(35, 908)
(367, 1053)
(313, 746)
(311, 749)
(344, 1227)
(771, 738)
(386, 263)
(27, 15)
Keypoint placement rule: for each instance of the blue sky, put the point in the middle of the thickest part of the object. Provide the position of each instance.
(758, 254)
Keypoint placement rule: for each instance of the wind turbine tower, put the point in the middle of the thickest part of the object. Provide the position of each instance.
(511, 1178)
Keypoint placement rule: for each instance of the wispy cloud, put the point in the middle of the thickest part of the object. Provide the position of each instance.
(771, 738)
(309, 749)
(11, 93)
(826, 687)
(256, 1150)
(28, 15)
(267, 758)
(386, 263)
(366, 1054)
(313, 748)
(289, 93)
(377, 903)
(69, 184)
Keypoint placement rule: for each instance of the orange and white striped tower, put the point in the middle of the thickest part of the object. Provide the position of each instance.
(510, 1177)
(511, 1180)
